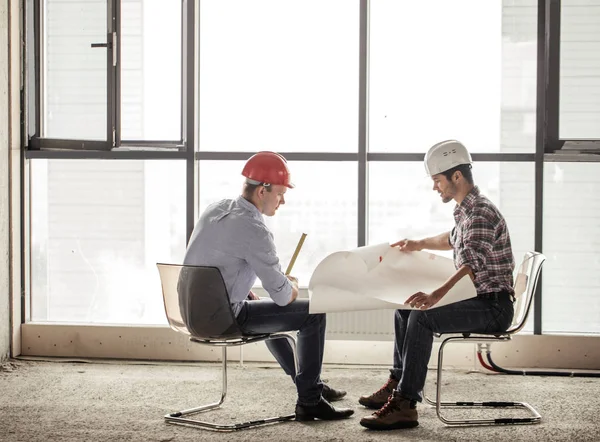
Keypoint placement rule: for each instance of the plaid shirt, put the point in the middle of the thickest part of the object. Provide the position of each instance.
(481, 241)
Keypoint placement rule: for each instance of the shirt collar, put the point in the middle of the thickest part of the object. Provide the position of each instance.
(243, 202)
(469, 202)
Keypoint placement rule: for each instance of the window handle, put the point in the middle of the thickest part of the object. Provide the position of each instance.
(109, 45)
(102, 45)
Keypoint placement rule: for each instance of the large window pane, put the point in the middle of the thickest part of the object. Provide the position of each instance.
(279, 75)
(469, 73)
(571, 283)
(98, 228)
(323, 205)
(402, 203)
(580, 69)
(74, 74)
(150, 70)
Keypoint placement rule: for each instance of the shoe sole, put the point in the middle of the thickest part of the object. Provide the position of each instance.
(396, 426)
(305, 418)
(372, 405)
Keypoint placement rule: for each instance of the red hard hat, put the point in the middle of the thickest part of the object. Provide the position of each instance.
(268, 168)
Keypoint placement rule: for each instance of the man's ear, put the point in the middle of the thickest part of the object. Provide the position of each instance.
(456, 175)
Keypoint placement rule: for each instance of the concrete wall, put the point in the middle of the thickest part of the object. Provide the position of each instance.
(4, 185)
(10, 173)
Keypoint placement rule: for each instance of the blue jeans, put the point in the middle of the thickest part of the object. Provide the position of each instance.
(264, 316)
(414, 331)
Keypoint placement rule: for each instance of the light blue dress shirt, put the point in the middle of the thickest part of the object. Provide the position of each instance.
(232, 236)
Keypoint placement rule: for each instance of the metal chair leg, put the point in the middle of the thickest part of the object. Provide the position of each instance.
(178, 418)
(535, 417)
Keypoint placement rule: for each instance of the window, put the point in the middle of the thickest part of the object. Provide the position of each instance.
(571, 282)
(151, 70)
(579, 70)
(279, 76)
(74, 75)
(452, 70)
(98, 228)
(110, 72)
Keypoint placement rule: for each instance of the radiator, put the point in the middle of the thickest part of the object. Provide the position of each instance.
(372, 325)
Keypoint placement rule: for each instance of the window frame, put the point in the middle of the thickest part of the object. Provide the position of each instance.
(549, 147)
(113, 141)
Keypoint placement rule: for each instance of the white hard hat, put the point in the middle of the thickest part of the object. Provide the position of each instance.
(446, 155)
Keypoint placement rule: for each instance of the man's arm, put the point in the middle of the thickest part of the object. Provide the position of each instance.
(261, 255)
(439, 242)
(477, 242)
(295, 291)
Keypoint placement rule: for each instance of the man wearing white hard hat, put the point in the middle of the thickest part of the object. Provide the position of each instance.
(482, 250)
(232, 236)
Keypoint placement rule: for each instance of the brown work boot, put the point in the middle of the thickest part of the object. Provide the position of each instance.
(398, 412)
(380, 397)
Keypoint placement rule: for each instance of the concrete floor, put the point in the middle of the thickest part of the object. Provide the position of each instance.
(120, 401)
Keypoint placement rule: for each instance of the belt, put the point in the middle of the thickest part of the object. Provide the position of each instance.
(497, 296)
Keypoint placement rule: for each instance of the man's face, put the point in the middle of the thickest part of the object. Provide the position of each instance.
(273, 199)
(446, 188)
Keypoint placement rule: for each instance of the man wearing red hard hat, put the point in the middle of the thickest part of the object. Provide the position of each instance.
(232, 236)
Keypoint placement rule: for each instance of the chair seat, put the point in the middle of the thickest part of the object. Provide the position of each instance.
(475, 335)
(245, 339)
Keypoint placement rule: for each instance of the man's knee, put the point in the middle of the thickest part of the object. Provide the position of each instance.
(315, 319)
(419, 317)
(402, 315)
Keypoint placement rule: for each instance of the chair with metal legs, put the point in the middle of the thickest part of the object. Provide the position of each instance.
(197, 305)
(524, 286)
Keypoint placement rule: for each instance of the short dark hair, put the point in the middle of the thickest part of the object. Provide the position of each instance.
(464, 169)
(250, 188)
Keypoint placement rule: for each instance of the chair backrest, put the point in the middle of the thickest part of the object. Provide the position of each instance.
(524, 286)
(196, 301)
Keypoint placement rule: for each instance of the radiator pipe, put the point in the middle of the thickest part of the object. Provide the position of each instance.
(482, 362)
(495, 367)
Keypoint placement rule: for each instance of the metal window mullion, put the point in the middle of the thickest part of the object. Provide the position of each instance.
(182, 75)
(551, 72)
(117, 74)
(38, 44)
(540, 144)
(477, 157)
(110, 72)
(189, 62)
(290, 156)
(26, 256)
(363, 122)
(167, 144)
(113, 154)
(548, 84)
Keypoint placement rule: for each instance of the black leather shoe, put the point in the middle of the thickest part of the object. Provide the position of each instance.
(331, 394)
(323, 410)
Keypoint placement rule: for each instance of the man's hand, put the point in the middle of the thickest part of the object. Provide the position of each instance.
(295, 289)
(408, 245)
(423, 301)
(252, 296)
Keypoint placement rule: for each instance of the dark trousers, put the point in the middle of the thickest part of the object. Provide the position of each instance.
(264, 316)
(414, 330)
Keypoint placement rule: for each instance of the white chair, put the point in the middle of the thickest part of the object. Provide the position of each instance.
(524, 286)
(197, 305)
